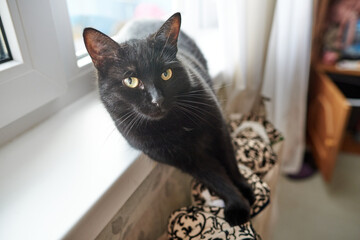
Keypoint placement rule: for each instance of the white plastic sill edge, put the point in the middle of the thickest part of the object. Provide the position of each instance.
(53, 175)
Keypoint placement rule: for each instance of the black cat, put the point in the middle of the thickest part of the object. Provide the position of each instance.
(158, 91)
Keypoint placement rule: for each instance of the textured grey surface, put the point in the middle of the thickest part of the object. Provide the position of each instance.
(145, 215)
(312, 209)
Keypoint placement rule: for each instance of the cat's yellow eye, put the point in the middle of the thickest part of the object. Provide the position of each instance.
(166, 75)
(131, 82)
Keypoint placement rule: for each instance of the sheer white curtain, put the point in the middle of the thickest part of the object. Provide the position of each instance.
(266, 47)
(286, 76)
(245, 29)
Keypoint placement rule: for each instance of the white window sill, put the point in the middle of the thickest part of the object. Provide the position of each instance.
(56, 176)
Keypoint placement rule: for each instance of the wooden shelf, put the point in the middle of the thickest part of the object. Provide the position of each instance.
(336, 70)
(328, 108)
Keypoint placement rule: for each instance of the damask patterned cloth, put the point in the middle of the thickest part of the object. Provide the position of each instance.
(253, 138)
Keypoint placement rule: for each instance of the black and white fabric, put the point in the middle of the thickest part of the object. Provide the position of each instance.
(202, 196)
(253, 138)
(272, 133)
(205, 222)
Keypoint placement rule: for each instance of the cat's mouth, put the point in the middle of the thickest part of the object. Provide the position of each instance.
(156, 115)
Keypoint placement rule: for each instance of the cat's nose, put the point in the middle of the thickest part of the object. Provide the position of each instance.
(156, 97)
(158, 101)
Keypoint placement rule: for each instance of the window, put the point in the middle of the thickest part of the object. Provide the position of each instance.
(5, 54)
(198, 15)
(109, 20)
(32, 74)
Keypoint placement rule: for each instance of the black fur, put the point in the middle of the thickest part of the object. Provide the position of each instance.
(178, 121)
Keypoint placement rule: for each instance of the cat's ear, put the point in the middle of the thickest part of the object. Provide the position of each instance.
(169, 31)
(99, 46)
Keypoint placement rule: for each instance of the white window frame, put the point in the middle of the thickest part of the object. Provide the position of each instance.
(44, 61)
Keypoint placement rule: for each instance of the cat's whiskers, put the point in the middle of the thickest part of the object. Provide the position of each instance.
(196, 102)
(196, 95)
(195, 106)
(129, 126)
(222, 100)
(187, 113)
(203, 94)
(116, 122)
(200, 110)
(108, 136)
(132, 123)
(200, 91)
(191, 93)
(196, 111)
(195, 99)
(137, 121)
(207, 89)
(124, 117)
(199, 99)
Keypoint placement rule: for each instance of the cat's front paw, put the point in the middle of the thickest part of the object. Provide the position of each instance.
(237, 214)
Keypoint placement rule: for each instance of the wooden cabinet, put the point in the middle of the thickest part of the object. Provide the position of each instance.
(328, 108)
(328, 113)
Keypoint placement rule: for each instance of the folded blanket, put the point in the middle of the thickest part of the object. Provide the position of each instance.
(253, 138)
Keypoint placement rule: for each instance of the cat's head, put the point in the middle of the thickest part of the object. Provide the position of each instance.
(143, 75)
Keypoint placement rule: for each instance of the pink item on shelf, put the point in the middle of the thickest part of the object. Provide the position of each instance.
(330, 57)
(146, 10)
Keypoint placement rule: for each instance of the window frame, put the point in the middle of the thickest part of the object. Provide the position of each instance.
(42, 64)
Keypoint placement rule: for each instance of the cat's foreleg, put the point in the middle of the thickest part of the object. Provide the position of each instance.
(230, 164)
(237, 208)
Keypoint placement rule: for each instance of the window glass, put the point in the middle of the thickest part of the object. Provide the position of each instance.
(109, 16)
(5, 54)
